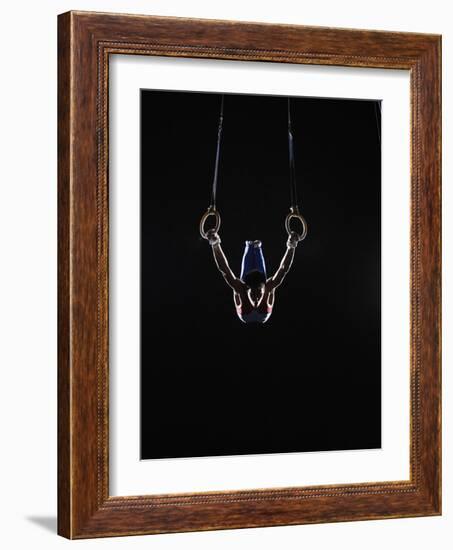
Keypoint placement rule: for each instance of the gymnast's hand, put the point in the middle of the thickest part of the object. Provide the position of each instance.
(293, 240)
(213, 237)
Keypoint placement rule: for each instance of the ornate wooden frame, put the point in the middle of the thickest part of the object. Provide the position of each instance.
(85, 42)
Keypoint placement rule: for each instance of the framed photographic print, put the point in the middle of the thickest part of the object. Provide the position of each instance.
(249, 275)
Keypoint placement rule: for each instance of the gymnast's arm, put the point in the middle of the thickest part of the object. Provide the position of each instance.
(222, 262)
(286, 262)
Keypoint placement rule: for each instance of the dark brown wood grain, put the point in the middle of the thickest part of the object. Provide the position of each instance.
(64, 389)
(85, 508)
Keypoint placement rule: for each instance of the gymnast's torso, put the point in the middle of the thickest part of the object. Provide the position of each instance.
(250, 312)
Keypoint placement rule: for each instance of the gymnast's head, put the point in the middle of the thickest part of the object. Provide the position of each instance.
(255, 281)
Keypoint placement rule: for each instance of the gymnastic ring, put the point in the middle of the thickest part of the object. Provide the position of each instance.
(294, 213)
(211, 211)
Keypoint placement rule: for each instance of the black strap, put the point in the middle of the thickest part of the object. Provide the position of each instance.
(378, 115)
(217, 156)
(292, 164)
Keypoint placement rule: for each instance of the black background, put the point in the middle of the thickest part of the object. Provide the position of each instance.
(309, 379)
